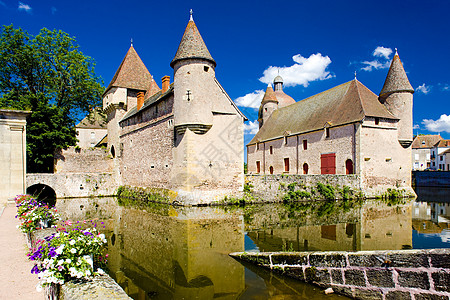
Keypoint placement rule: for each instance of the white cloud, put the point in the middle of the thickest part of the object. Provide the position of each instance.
(416, 126)
(252, 100)
(54, 10)
(302, 72)
(382, 63)
(425, 89)
(381, 51)
(440, 125)
(251, 127)
(25, 7)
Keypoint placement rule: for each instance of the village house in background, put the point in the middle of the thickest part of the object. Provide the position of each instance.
(345, 130)
(92, 129)
(440, 156)
(12, 153)
(421, 151)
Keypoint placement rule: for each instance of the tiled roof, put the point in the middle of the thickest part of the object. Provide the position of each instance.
(283, 99)
(148, 102)
(94, 120)
(133, 74)
(269, 95)
(396, 79)
(425, 141)
(192, 46)
(347, 103)
(442, 143)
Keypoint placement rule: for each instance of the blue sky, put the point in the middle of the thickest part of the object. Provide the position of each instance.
(316, 45)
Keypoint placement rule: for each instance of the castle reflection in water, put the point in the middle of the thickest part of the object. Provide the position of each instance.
(166, 252)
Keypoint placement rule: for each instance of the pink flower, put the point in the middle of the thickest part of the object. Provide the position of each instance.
(68, 223)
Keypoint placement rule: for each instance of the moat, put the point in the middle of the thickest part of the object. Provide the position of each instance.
(165, 252)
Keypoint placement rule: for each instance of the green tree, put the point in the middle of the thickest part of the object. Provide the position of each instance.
(50, 76)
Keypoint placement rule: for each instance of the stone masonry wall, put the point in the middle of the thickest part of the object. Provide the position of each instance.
(270, 188)
(73, 160)
(401, 274)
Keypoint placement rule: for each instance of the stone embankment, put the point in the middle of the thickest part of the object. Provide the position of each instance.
(399, 274)
(100, 287)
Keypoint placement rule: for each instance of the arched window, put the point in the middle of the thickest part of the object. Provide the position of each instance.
(271, 170)
(349, 166)
(305, 168)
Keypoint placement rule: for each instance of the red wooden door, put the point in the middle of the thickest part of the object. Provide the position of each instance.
(328, 163)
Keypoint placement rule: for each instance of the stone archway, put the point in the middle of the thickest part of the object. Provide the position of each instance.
(43, 192)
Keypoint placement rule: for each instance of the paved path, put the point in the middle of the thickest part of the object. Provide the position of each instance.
(16, 281)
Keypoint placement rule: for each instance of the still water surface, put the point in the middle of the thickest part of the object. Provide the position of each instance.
(165, 252)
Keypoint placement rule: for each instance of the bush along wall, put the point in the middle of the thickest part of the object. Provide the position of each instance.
(141, 195)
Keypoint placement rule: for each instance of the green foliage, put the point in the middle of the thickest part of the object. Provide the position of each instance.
(245, 168)
(48, 75)
(248, 187)
(327, 191)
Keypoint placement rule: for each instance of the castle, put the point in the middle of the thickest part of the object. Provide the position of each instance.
(186, 136)
(344, 130)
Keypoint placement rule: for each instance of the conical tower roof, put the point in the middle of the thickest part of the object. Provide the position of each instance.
(192, 45)
(396, 80)
(133, 74)
(269, 95)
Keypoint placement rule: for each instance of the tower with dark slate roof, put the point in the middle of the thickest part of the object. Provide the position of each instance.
(397, 96)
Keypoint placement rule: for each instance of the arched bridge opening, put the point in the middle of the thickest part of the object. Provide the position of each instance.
(43, 193)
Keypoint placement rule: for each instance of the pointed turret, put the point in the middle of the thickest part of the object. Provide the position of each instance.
(269, 103)
(192, 46)
(133, 74)
(396, 96)
(396, 79)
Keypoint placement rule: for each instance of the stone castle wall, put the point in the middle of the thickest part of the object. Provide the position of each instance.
(75, 160)
(401, 274)
(340, 142)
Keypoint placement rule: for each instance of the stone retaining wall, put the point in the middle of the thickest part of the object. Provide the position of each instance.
(401, 274)
(271, 188)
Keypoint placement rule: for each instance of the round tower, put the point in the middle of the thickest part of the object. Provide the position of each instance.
(397, 97)
(194, 69)
(269, 103)
(282, 97)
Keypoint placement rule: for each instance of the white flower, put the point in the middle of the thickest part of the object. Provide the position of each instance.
(88, 259)
(68, 260)
(72, 242)
(73, 250)
(59, 249)
(60, 262)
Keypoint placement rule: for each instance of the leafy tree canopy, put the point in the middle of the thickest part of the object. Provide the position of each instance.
(48, 75)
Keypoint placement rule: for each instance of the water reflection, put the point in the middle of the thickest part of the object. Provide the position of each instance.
(165, 252)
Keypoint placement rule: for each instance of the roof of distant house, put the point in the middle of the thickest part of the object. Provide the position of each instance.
(347, 103)
(442, 143)
(425, 141)
(94, 120)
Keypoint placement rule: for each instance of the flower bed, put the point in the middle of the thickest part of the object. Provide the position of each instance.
(34, 214)
(75, 251)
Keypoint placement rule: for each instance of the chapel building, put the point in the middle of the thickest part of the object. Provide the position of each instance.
(186, 136)
(344, 130)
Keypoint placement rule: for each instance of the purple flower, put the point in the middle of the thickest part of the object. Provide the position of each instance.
(35, 270)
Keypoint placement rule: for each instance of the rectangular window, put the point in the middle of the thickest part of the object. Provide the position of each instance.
(271, 150)
(441, 158)
(258, 167)
(285, 140)
(327, 132)
(377, 121)
(286, 164)
(305, 144)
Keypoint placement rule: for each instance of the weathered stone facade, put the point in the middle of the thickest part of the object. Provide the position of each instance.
(12, 153)
(344, 130)
(75, 160)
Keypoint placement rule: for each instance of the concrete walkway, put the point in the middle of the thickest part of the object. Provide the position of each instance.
(16, 280)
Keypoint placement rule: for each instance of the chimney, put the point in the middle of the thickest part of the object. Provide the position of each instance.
(140, 100)
(165, 84)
